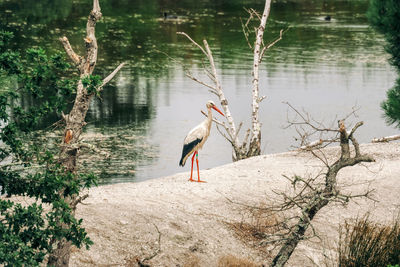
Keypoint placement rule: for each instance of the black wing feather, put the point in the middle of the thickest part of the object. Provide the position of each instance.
(187, 148)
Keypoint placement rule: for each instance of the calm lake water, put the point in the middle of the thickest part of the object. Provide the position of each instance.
(143, 116)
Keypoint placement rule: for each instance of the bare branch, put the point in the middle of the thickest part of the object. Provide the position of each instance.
(246, 30)
(217, 121)
(70, 52)
(238, 130)
(224, 103)
(261, 98)
(211, 60)
(265, 48)
(209, 74)
(356, 146)
(358, 124)
(346, 198)
(65, 117)
(352, 113)
(78, 200)
(196, 44)
(231, 139)
(96, 6)
(306, 120)
(246, 138)
(159, 246)
(213, 92)
(253, 11)
(213, 89)
(311, 145)
(321, 157)
(224, 135)
(110, 76)
(90, 39)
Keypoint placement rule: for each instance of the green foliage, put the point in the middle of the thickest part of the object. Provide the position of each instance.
(28, 232)
(21, 234)
(392, 105)
(384, 15)
(91, 83)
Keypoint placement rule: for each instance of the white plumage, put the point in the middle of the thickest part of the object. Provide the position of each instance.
(196, 139)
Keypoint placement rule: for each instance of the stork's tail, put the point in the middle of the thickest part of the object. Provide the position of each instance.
(185, 155)
(187, 150)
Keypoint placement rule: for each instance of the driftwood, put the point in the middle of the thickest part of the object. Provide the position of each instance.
(312, 145)
(386, 139)
(75, 120)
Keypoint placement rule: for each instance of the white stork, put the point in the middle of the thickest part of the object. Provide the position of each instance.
(196, 139)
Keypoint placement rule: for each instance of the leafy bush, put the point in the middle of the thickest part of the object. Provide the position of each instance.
(28, 232)
(91, 83)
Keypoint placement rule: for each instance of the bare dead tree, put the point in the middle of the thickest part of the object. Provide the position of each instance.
(309, 195)
(75, 120)
(251, 143)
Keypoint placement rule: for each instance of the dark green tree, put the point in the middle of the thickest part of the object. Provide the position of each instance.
(384, 15)
(29, 165)
(28, 232)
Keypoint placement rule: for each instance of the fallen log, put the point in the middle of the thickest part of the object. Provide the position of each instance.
(386, 139)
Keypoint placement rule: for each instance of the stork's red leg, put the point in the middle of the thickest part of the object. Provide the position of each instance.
(191, 171)
(198, 171)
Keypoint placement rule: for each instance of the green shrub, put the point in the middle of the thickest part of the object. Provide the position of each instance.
(28, 232)
(384, 15)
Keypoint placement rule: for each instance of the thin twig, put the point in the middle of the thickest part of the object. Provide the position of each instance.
(201, 82)
(196, 44)
(265, 48)
(159, 246)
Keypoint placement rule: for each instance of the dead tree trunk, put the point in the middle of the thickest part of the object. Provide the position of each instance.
(255, 139)
(312, 197)
(251, 144)
(75, 120)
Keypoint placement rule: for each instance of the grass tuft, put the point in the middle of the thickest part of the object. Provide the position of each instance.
(366, 243)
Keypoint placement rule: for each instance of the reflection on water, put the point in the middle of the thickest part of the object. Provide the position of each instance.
(127, 147)
(142, 118)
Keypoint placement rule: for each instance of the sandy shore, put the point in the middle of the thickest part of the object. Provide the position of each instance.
(180, 222)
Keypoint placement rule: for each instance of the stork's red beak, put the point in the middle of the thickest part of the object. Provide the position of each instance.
(214, 107)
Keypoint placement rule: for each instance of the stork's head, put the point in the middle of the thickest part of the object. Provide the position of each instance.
(210, 104)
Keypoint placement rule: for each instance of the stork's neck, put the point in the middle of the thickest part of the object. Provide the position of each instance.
(209, 117)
